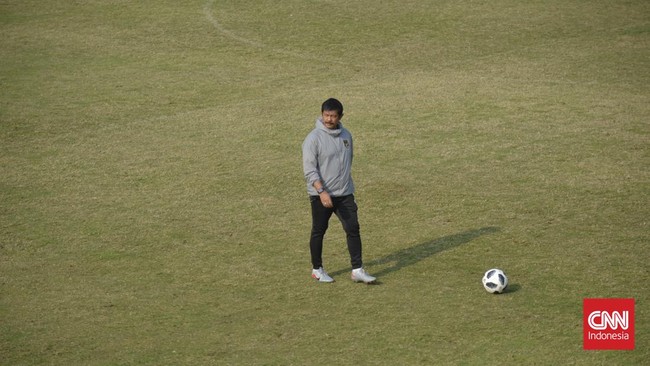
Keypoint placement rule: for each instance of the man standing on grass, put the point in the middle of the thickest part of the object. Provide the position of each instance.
(327, 162)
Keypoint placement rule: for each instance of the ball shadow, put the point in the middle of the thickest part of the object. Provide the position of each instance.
(512, 288)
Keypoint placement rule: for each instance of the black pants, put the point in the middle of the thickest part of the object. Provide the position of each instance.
(345, 209)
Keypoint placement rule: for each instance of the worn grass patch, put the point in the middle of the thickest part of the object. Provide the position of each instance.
(152, 207)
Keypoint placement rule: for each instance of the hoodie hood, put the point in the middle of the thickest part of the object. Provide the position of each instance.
(321, 126)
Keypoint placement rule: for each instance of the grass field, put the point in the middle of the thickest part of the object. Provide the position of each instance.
(153, 210)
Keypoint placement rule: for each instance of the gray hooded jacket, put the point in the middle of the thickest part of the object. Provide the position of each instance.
(327, 156)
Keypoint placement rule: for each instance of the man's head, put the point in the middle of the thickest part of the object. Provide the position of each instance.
(332, 111)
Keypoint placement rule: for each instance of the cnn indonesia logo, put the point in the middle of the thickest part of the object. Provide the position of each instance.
(608, 324)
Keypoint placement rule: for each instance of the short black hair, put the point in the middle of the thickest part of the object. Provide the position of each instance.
(332, 105)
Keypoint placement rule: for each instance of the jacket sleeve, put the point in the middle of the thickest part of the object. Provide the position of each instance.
(310, 160)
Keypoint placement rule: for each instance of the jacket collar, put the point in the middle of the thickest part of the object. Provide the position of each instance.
(321, 126)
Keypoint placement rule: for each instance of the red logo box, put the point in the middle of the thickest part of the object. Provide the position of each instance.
(608, 324)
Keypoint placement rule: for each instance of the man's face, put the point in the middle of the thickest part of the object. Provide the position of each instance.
(331, 119)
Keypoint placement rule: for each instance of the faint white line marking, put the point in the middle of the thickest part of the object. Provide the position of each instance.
(208, 9)
(209, 14)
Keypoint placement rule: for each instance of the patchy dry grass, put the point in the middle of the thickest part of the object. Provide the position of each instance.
(152, 209)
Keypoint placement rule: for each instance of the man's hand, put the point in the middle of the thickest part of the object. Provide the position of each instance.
(326, 199)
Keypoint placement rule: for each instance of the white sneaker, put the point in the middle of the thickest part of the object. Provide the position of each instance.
(321, 275)
(360, 275)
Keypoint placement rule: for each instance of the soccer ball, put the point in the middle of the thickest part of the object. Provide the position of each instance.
(495, 281)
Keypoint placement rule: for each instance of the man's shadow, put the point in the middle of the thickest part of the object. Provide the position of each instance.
(410, 256)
